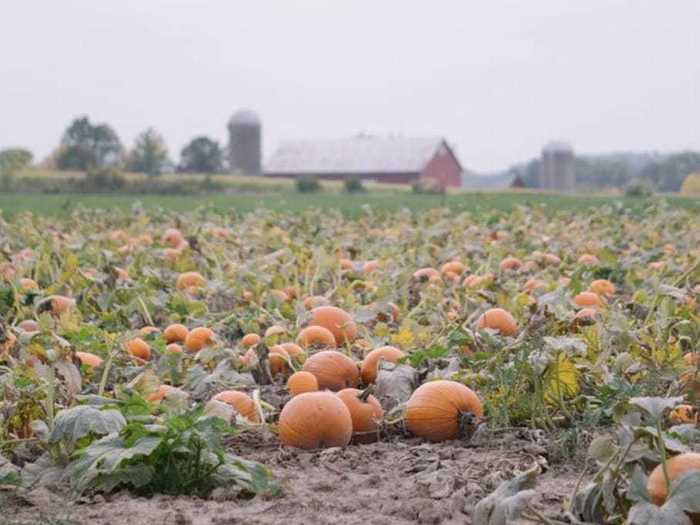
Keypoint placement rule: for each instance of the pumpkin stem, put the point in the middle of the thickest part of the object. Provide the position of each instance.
(364, 395)
(468, 421)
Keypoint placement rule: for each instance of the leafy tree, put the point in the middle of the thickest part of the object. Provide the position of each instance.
(13, 160)
(149, 155)
(85, 145)
(201, 155)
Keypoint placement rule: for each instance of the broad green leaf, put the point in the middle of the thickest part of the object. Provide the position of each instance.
(685, 492)
(655, 407)
(561, 380)
(644, 513)
(75, 423)
(507, 502)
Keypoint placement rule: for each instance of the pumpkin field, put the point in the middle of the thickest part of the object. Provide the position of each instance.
(482, 365)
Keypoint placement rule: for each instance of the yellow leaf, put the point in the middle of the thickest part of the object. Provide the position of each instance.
(561, 380)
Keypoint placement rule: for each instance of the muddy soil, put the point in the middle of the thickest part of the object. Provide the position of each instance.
(398, 482)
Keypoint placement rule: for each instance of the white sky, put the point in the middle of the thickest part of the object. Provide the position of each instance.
(498, 78)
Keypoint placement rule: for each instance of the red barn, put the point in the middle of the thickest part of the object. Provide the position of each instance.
(382, 159)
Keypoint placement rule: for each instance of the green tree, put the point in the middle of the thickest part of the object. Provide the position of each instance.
(201, 155)
(85, 145)
(149, 154)
(13, 160)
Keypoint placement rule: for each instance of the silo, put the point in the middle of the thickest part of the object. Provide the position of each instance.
(245, 142)
(557, 171)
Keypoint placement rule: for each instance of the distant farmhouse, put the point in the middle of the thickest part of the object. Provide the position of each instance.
(382, 159)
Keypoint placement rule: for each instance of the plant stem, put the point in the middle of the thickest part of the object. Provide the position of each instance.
(662, 449)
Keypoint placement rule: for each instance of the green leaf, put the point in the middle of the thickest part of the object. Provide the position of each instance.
(561, 380)
(685, 492)
(655, 407)
(75, 423)
(507, 502)
(637, 490)
(648, 514)
(602, 449)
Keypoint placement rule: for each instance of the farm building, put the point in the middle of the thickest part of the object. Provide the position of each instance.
(382, 159)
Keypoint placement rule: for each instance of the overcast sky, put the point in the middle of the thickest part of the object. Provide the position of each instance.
(498, 78)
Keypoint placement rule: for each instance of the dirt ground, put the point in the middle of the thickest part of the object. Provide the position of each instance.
(398, 482)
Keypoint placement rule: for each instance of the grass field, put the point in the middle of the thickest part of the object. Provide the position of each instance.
(349, 204)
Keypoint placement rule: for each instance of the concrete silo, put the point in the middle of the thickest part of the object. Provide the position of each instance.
(557, 170)
(245, 142)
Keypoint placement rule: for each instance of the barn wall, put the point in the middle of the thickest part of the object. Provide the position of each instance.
(390, 178)
(444, 168)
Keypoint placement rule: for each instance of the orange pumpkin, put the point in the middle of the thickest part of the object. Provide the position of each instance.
(366, 414)
(439, 410)
(498, 319)
(190, 280)
(551, 259)
(314, 420)
(241, 402)
(316, 336)
(683, 414)
(510, 263)
(274, 330)
(249, 340)
(175, 333)
(602, 287)
(173, 237)
(426, 274)
(173, 348)
(454, 267)
(314, 301)
(61, 304)
(676, 467)
(534, 284)
(163, 392)
(370, 266)
(28, 325)
(586, 315)
(371, 361)
(588, 259)
(296, 353)
(139, 348)
(148, 330)
(89, 361)
(278, 359)
(198, 339)
(337, 321)
(588, 300)
(301, 382)
(333, 370)
(28, 284)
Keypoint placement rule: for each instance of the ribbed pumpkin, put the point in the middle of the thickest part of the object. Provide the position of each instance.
(249, 340)
(278, 359)
(587, 300)
(439, 410)
(455, 267)
(498, 319)
(510, 263)
(301, 382)
(366, 414)
(88, 360)
(315, 420)
(61, 304)
(335, 320)
(602, 287)
(175, 333)
(198, 338)
(676, 467)
(588, 259)
(371, 360)
(189, 280)
(333, 370)
(139, 348)
(317, 336)
(296, 352)
(241, 402)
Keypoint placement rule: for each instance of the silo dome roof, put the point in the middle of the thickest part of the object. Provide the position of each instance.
(557, 146)
(246, 117)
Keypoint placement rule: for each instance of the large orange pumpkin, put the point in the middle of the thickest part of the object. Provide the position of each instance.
(173, 237)
(676, 467)
(510, 263)
(440, 410)
(602, 287)
(198, 339)
(455, 267)
(366, 414)
(61, 304)
(175, 333)
(426, 274)
(371, 361)
(241, 402)
(301, 382)
(88, 360)
(498, 319)
(249, 340)
(316, 336)
(337, 321)
(139, 348)
(588, 259)
(588, 300)
(333, 370)
(296, 353)
(278, 359)
(189, 280)
(315, 420)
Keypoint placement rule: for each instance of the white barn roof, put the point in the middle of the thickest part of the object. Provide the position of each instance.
(362, 154)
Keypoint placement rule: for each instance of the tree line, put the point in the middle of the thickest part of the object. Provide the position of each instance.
(87, 146)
